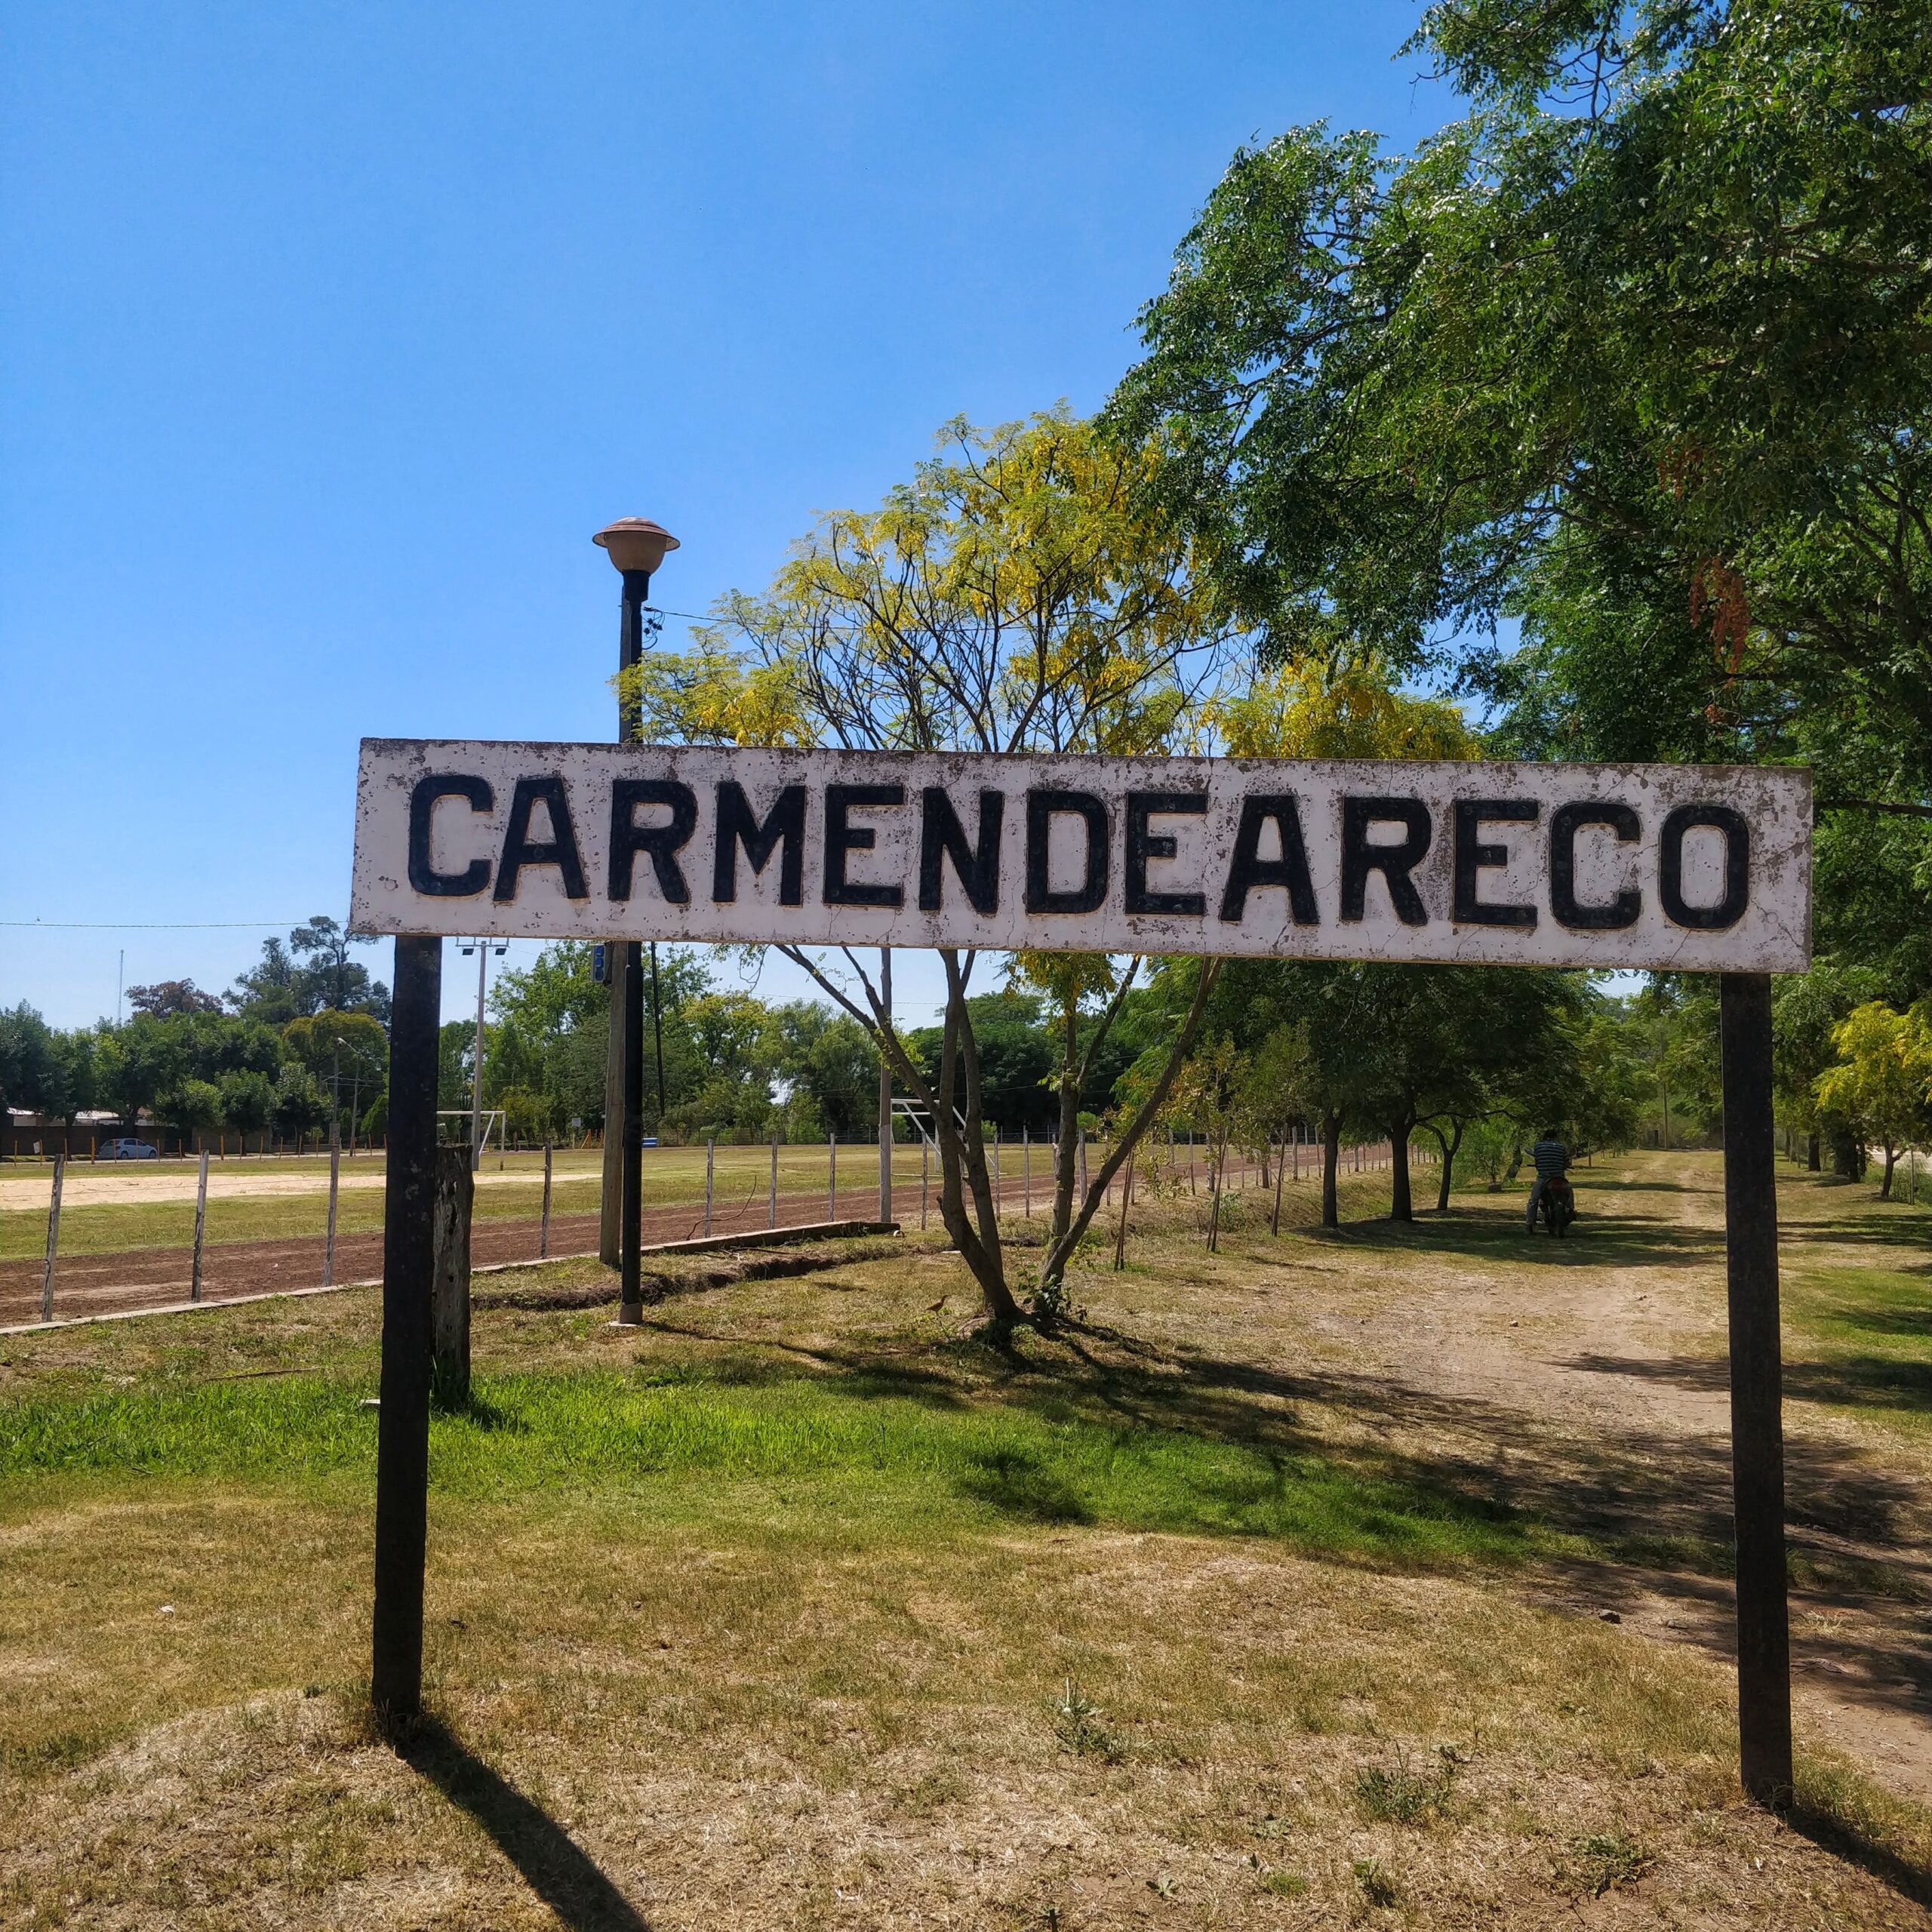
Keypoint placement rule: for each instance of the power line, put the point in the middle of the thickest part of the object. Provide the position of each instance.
(176, 926)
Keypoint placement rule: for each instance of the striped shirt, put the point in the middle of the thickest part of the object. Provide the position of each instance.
(1551, 1158)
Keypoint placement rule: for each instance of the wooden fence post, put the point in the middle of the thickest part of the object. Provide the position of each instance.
(53, 1239)
(456, 1198)
(543, 1238)
(1757, 1419)
(201, 1227)
(335, 1186)
(402, 1455)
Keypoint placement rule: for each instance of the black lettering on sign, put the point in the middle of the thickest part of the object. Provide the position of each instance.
(1042, 808)
(1565, 823)
(558, 849)
(1729, 908)
(663, 842)
(1473, 857)
(1248, 870)
(841, 837)
(737, 825)
(1143, 845)
(942, 836)
(1394, 863)
(424, 876)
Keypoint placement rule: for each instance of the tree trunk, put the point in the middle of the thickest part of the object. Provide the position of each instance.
(1451, 1147)
(1060, 1251)
(1218, 1164)
(1891, 1161)
(1402, 1203)
(1812, 1151)
(1331, 1161)
(1845, 1156)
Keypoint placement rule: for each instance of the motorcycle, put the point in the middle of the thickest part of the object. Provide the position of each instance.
(1558, 1206)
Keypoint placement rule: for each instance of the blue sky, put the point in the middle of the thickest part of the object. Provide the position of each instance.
(330, 332)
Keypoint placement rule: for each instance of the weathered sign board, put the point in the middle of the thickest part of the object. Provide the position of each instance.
(1697, 868)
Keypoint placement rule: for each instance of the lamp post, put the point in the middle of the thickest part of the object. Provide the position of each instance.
(636, 547)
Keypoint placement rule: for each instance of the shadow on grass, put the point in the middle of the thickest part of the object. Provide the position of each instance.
(1875, 1382)
(1907, 1877)
(557, 1869)
(1596, 1240)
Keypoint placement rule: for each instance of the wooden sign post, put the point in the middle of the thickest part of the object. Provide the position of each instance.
(1686, 868)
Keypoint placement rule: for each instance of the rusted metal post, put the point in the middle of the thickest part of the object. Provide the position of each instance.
(53, 1239)
(831, 1177)
(1757, 1420)
(402, 1454)
(710, 1177)
(771, 1202)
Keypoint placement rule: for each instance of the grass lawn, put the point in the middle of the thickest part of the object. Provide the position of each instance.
(808, 1609)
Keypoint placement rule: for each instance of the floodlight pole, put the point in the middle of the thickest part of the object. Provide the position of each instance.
(635, 546)
(402, 1426)
(1757, 1420)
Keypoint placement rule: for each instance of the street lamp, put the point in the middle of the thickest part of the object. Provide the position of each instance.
(636, 547)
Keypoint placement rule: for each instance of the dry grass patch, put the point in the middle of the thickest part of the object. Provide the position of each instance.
(808, 1609)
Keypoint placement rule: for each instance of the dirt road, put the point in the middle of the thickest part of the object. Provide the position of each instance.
(1588, 1380)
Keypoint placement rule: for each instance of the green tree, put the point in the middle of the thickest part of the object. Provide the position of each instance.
(192, 1107)
(299, 1103)
(1881, 1083)
(31, 1074)
(248, 1101)
(1635, 349)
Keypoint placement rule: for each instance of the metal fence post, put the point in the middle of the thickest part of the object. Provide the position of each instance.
(831, 1177)
(1757, 1422)
(402, 1455)
(1026, 1172)
(201, 1227)
(53, 1239)
(710, 1174)
(771, 1209)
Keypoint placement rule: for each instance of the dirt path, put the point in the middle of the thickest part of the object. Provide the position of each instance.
(1597, 1366)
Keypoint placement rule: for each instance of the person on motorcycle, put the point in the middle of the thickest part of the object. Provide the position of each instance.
(1551, 1161)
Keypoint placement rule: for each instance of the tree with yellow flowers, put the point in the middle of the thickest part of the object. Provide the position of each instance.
(1021, 593)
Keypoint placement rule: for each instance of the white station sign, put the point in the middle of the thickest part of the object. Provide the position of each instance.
(1692, 868)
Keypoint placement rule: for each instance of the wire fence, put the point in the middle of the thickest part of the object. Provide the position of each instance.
(109, 1240)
